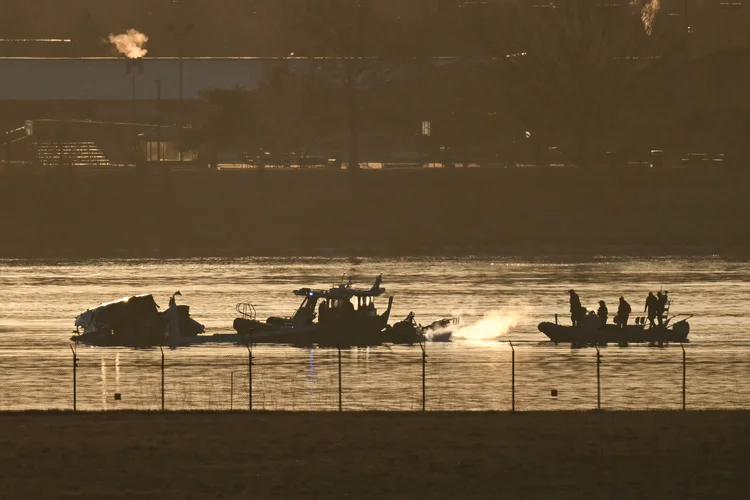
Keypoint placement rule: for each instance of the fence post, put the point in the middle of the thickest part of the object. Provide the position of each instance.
(250, 376)
(75, 377)
(598, 379)
(162, 378)
(512, 377)
(424, 373)
(341, 406)
(684, 378)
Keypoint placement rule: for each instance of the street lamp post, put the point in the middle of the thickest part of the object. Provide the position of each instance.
(158, 119)
(134, 66)
(181, 30)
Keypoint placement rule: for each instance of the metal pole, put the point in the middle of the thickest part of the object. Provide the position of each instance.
(598, 379)
(231, 391)
(424, 378)
(182, 110)
(250, 375)
(512, 377)
(341, 405)
(684, 378)
(158, 120)
(133, 68)
(162, 378)
(75, 376)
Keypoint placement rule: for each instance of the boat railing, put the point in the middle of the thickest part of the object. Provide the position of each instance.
(246, 310)
(684, 317)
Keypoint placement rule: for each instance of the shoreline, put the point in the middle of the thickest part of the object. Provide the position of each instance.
(536, 253)
(377, 214)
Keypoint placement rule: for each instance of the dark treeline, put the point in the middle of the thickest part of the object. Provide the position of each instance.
(558, 82)
(227, 27)
(544, 85)
(577, 84)
(271, 27)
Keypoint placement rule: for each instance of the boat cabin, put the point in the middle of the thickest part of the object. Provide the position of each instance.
(340, 303)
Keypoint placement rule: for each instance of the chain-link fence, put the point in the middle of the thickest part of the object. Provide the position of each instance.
(512, 376)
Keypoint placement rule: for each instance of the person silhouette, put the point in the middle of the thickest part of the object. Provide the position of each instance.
(651, 308)
(663, 300)
(603, 314)
(576, 311)
(623, 313)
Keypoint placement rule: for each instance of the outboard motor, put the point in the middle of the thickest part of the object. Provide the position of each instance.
(681, 330)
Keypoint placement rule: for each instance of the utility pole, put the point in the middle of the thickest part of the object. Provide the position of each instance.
(134, 103)
(181, 28)
(134, 66)
(182, 99)
(181, 31)
(158, 119)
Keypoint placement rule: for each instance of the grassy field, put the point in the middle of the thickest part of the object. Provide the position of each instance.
(435, 455)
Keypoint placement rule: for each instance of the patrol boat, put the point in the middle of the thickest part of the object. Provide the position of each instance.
(326, 317)
(592, 333)
(137, 322)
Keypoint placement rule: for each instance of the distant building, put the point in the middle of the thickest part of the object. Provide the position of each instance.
(90, 111)
(108, 79)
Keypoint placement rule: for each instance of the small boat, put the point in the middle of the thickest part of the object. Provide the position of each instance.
(326, 317)
(137, 322)
(408, 331)
(592, 333)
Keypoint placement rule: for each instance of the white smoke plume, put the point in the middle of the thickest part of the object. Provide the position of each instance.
(130, 44)
(649, 10)
(494, 325)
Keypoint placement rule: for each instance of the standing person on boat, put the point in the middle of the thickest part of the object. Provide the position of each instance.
(652, 308)
(173, 328)
(576, 311)
(603, 314)
(663, 300)
(323, 312)
(623, 313)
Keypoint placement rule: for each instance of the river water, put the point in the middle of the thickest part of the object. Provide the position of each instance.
(498, 300)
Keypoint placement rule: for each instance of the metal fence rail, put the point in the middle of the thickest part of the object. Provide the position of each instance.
(514, 377)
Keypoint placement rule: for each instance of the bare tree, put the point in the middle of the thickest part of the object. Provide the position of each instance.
(427, 47)
(229, 122)
(582, 68)
(342, 35)
(294, 108)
